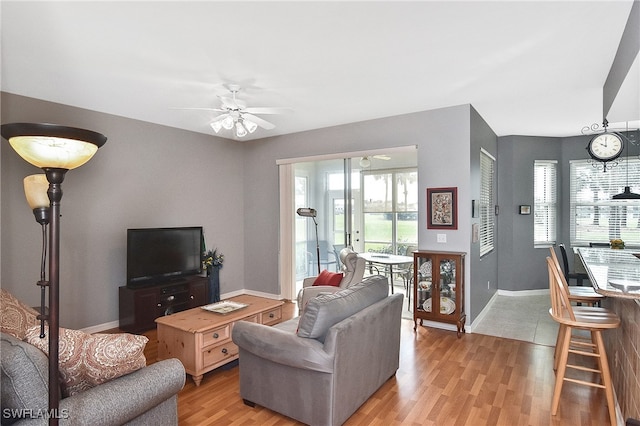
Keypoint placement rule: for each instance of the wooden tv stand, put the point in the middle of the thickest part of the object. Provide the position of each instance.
(139, 307)
(202, 339)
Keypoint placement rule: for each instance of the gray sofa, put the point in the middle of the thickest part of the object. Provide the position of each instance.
(144, 397)
(321, 367)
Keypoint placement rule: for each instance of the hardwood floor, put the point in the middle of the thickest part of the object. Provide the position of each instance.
(442, 380)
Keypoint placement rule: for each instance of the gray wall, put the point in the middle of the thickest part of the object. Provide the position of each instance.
(442, 137)
(144, 176)
(483, 281)
(520, 265)
(150, 175)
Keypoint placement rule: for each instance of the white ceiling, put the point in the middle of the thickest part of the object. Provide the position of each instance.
(529, 68)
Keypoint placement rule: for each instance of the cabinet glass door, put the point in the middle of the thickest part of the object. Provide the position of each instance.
(424, 290)
(447, 286)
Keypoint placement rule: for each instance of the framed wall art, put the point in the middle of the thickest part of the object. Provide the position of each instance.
(525, 209)
(442, 208)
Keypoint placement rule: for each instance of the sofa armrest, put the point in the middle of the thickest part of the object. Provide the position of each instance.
(123, 399)
(282, 347)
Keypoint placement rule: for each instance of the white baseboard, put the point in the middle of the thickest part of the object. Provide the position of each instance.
(101, 327)
(482, 313)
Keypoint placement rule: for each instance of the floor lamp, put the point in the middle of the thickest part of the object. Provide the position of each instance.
(55, 149)
(309, 212)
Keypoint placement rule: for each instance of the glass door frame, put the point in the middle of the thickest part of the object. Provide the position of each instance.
(286, 252)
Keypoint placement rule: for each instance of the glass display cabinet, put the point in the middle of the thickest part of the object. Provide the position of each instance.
(438, 291)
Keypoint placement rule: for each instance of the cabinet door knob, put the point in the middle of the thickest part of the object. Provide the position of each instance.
(224, 350)
(271, 315)
(159, 305)
(171, 298)
(192, 297)
(215, 335)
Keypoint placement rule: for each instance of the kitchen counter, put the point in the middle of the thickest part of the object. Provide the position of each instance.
(613, 273)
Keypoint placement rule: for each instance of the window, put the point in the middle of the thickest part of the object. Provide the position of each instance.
(595, 216)
(390, 204)
(487, 214)
(545, 202)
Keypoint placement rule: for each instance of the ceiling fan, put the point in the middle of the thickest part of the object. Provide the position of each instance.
(366, 160)
(235, 113)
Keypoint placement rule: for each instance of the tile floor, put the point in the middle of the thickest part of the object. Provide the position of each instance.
(520, 318)
(513, 317)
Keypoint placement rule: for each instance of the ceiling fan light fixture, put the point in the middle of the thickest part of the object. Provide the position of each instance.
(216, 125)
(250, 125)
(227, 122)
(240, 130)
(365, 162)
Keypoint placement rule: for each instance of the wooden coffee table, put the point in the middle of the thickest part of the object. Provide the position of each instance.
(202, 339)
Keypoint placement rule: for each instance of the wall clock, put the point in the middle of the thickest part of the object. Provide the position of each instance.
(605, 147)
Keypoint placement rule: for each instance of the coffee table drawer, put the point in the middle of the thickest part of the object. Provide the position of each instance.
(219, 354)
(272, 316)
(216, 335)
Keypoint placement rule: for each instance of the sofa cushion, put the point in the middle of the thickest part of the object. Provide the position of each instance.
(15, 316)
(323, 311)
(25, 377)
(328, 278)
(86, 360)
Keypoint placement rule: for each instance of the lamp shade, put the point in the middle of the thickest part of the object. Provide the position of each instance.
(53, 146)
(35, 189)
(306, 212)
(627, 195)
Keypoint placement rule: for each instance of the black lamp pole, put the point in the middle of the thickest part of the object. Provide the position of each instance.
(55, 177)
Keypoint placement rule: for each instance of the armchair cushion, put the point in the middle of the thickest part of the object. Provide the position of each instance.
(323, 311)
(328, 278)
(87, 360)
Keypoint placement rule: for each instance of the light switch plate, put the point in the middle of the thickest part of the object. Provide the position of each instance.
(442, 238)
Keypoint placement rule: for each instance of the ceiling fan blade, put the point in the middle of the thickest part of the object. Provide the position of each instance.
(266, 110)
(220, 117)
(259, 121)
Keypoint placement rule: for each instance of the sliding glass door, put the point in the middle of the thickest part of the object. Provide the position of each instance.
(368, 203)
(321, 185)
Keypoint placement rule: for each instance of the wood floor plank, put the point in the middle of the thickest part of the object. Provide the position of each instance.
(442, 380)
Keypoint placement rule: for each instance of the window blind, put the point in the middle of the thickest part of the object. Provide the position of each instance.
(595, 216)
(545, 202)
(487, 214)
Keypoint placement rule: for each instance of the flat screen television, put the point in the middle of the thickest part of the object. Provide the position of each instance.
(157, 255)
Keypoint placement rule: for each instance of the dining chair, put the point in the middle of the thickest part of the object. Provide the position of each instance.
(577, 294)
(590, 319)
(405, 271)
(578, 276)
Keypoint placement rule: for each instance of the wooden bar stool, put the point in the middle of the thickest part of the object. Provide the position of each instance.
(580, 295)
(591, 319)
